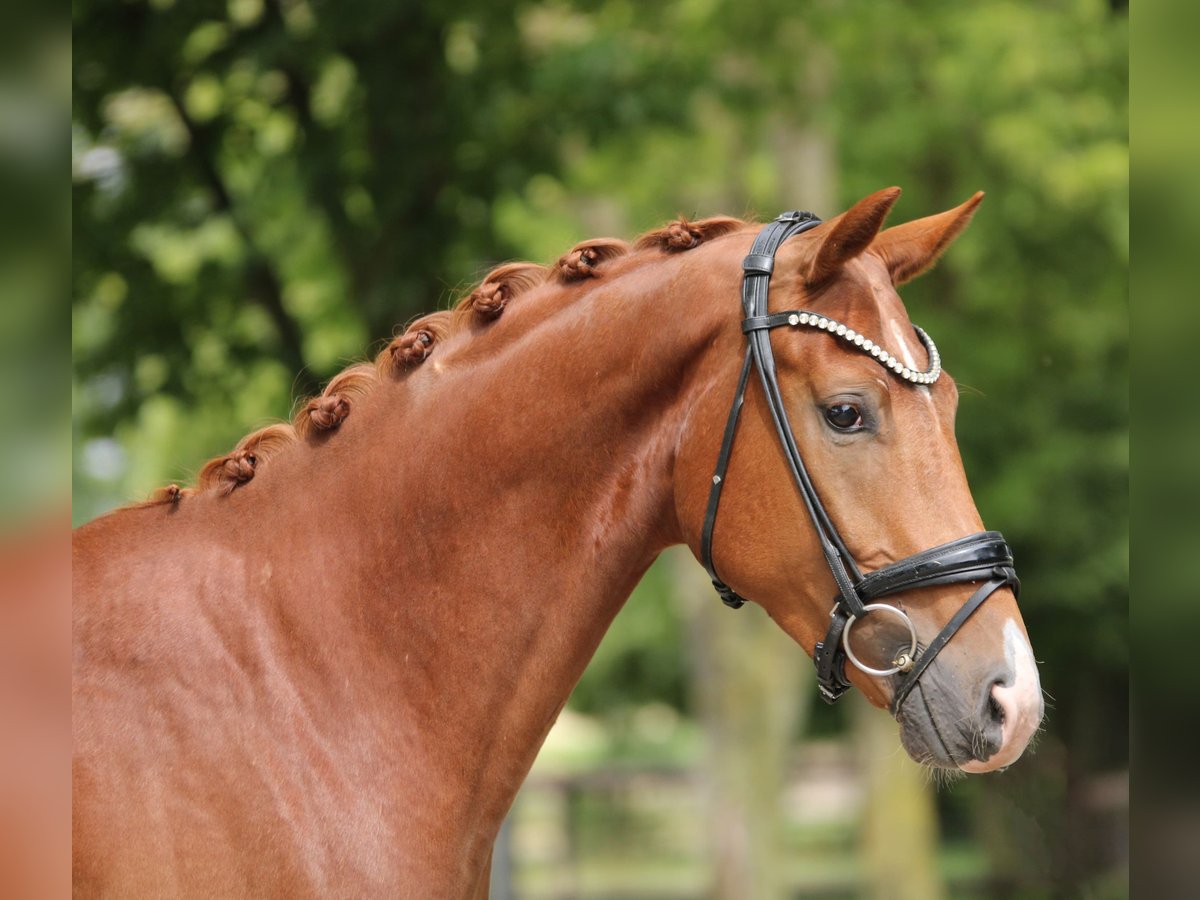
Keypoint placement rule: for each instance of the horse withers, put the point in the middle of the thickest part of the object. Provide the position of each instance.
(326, 668)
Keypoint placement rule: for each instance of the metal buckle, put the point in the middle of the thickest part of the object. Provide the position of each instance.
(795, 216)
(902, 663)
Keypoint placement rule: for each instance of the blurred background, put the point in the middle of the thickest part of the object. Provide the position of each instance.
(263, 190)
(35, 450)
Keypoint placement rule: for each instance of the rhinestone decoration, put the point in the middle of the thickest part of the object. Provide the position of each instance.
(858, 342)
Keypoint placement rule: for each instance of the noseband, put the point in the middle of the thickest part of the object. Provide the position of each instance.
(983, 557)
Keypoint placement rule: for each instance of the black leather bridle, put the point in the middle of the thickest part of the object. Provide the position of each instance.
(983, 557)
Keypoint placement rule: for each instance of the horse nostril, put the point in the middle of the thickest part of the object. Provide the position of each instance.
(1009, 709)
(992, 713)
(995, 710)
(987, 734)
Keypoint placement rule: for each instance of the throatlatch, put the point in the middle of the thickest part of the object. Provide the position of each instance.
(983, 557)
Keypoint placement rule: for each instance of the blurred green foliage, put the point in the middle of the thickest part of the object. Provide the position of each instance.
(35, 235)
(264, 187)
(1166, 491)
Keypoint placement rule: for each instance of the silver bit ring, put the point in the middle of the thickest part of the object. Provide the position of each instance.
(903, 662)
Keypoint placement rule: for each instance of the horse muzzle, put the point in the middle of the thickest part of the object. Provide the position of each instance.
(982, 728)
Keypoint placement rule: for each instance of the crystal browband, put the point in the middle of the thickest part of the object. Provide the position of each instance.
(798, 317)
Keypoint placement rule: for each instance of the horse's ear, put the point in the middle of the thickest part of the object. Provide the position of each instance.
(846, 236)
(911, 248)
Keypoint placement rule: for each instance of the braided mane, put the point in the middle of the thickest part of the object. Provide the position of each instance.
(318, 417)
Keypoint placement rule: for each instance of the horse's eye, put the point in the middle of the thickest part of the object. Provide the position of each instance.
(844, 417)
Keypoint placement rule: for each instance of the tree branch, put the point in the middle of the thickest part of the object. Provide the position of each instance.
(264, 284)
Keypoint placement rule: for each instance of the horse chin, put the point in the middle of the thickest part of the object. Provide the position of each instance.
(923, 742)
(934, 729)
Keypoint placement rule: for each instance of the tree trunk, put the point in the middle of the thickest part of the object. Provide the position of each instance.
(750, 688)
(899, 838)
(751, 685)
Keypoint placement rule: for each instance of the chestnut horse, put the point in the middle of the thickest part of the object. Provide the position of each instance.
(325, 671)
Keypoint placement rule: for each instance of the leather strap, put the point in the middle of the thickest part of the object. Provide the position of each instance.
(926, 656)
(830, 660)
(755, 297)
(773, 320)
(759, 264)
(728, 595)
(970, 558)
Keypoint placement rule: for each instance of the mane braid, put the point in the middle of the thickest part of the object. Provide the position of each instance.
(325, 412)
(227, 473)
(497, 289)
(319, 417)
(415, 344)
(171, 494)
(682, 234)
(583, 259)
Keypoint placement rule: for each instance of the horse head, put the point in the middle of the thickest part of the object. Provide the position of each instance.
(861, 393)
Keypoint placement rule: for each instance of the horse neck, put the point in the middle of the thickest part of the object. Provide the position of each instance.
(489, 514)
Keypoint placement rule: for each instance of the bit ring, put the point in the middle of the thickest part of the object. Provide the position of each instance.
(903, 662)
